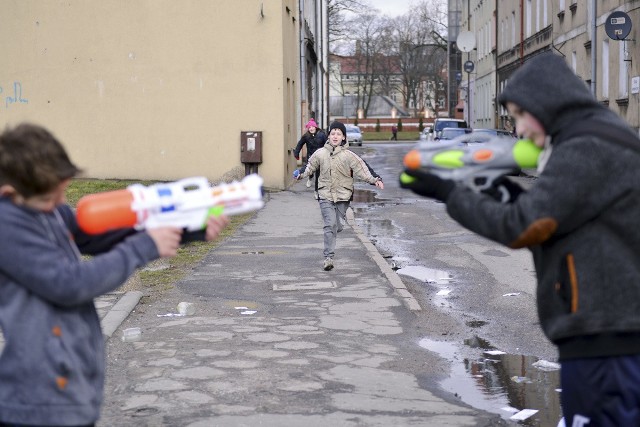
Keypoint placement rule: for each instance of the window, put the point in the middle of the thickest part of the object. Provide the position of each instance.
(574, 61)
(503, 111)
(545, 13)
(513, 29)
(537, 16)
(528, 15)
(623, 85)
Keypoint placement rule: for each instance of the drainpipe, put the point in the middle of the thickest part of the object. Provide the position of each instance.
(469, 74)
(594, 46)
(521, 32)
(496, 111)
(303, 65)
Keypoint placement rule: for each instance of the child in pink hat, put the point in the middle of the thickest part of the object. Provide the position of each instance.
(314, 138)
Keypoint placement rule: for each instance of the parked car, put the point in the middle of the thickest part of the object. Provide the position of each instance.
(495, 132)
(424, 135)
(451, 133)
(354, 135)
(480, 136)
(483, 135)
(441, 123)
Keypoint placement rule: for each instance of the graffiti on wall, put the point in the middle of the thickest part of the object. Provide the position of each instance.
(12, 94)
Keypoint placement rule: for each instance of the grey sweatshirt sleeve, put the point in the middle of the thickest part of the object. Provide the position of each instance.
(34, 256)
(575, 187)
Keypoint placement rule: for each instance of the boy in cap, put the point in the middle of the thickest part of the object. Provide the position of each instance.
(580, 221)
(52, 369)
(336, 167)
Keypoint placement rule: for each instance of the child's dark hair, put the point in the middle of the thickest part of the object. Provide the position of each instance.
(32, 160)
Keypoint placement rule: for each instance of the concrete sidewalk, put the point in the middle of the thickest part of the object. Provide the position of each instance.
(277, 341)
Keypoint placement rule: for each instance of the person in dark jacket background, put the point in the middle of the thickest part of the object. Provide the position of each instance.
(580, 219)
(52, 364)
(313, 138)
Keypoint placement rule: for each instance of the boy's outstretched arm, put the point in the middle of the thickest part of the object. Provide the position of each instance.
(312, 165)
(363, 171)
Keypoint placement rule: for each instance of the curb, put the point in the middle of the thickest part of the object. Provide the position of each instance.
(120, 310)
(401, 290)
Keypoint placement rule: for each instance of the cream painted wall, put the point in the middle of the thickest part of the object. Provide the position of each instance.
(155, 89)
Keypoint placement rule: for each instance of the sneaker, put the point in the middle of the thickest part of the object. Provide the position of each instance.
(308, 182)
(315, 195)
(328, 264)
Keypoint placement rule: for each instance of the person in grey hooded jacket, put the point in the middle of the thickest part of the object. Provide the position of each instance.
(52, 364)
(580, 219)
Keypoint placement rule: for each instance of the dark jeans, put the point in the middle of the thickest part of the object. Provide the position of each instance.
(601, 391)
(26, 425)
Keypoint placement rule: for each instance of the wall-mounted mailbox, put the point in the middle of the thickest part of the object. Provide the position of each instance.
(251, 147)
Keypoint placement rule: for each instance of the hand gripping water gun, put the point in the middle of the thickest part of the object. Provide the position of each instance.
(474, 165)
(186, 204)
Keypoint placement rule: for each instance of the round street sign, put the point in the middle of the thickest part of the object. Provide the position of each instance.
(618, 25)
(468, 66)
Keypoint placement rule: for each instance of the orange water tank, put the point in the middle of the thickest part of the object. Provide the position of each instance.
(101, 212)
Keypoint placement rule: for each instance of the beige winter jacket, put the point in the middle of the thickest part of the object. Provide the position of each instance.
(338, 167)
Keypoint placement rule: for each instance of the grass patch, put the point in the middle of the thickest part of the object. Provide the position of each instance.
(81, 187)
(162, 274)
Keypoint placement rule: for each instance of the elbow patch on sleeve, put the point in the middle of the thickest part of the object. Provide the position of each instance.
(538, 232)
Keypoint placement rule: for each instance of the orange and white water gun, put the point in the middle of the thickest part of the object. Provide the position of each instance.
(187, 204)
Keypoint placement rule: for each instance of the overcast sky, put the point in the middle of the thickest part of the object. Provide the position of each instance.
(391, 7)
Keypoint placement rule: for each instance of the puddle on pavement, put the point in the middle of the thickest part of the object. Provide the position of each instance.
(493, 382)
(475, 323)
(376, 227)
(365, 196)
(427, 275)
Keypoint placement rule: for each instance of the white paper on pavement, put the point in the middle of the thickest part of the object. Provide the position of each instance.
(523, 415)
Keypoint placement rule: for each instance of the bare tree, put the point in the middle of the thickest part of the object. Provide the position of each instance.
(369, 34)
(338, 11)
(384, 56)
(421, 49)
(388, 62)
